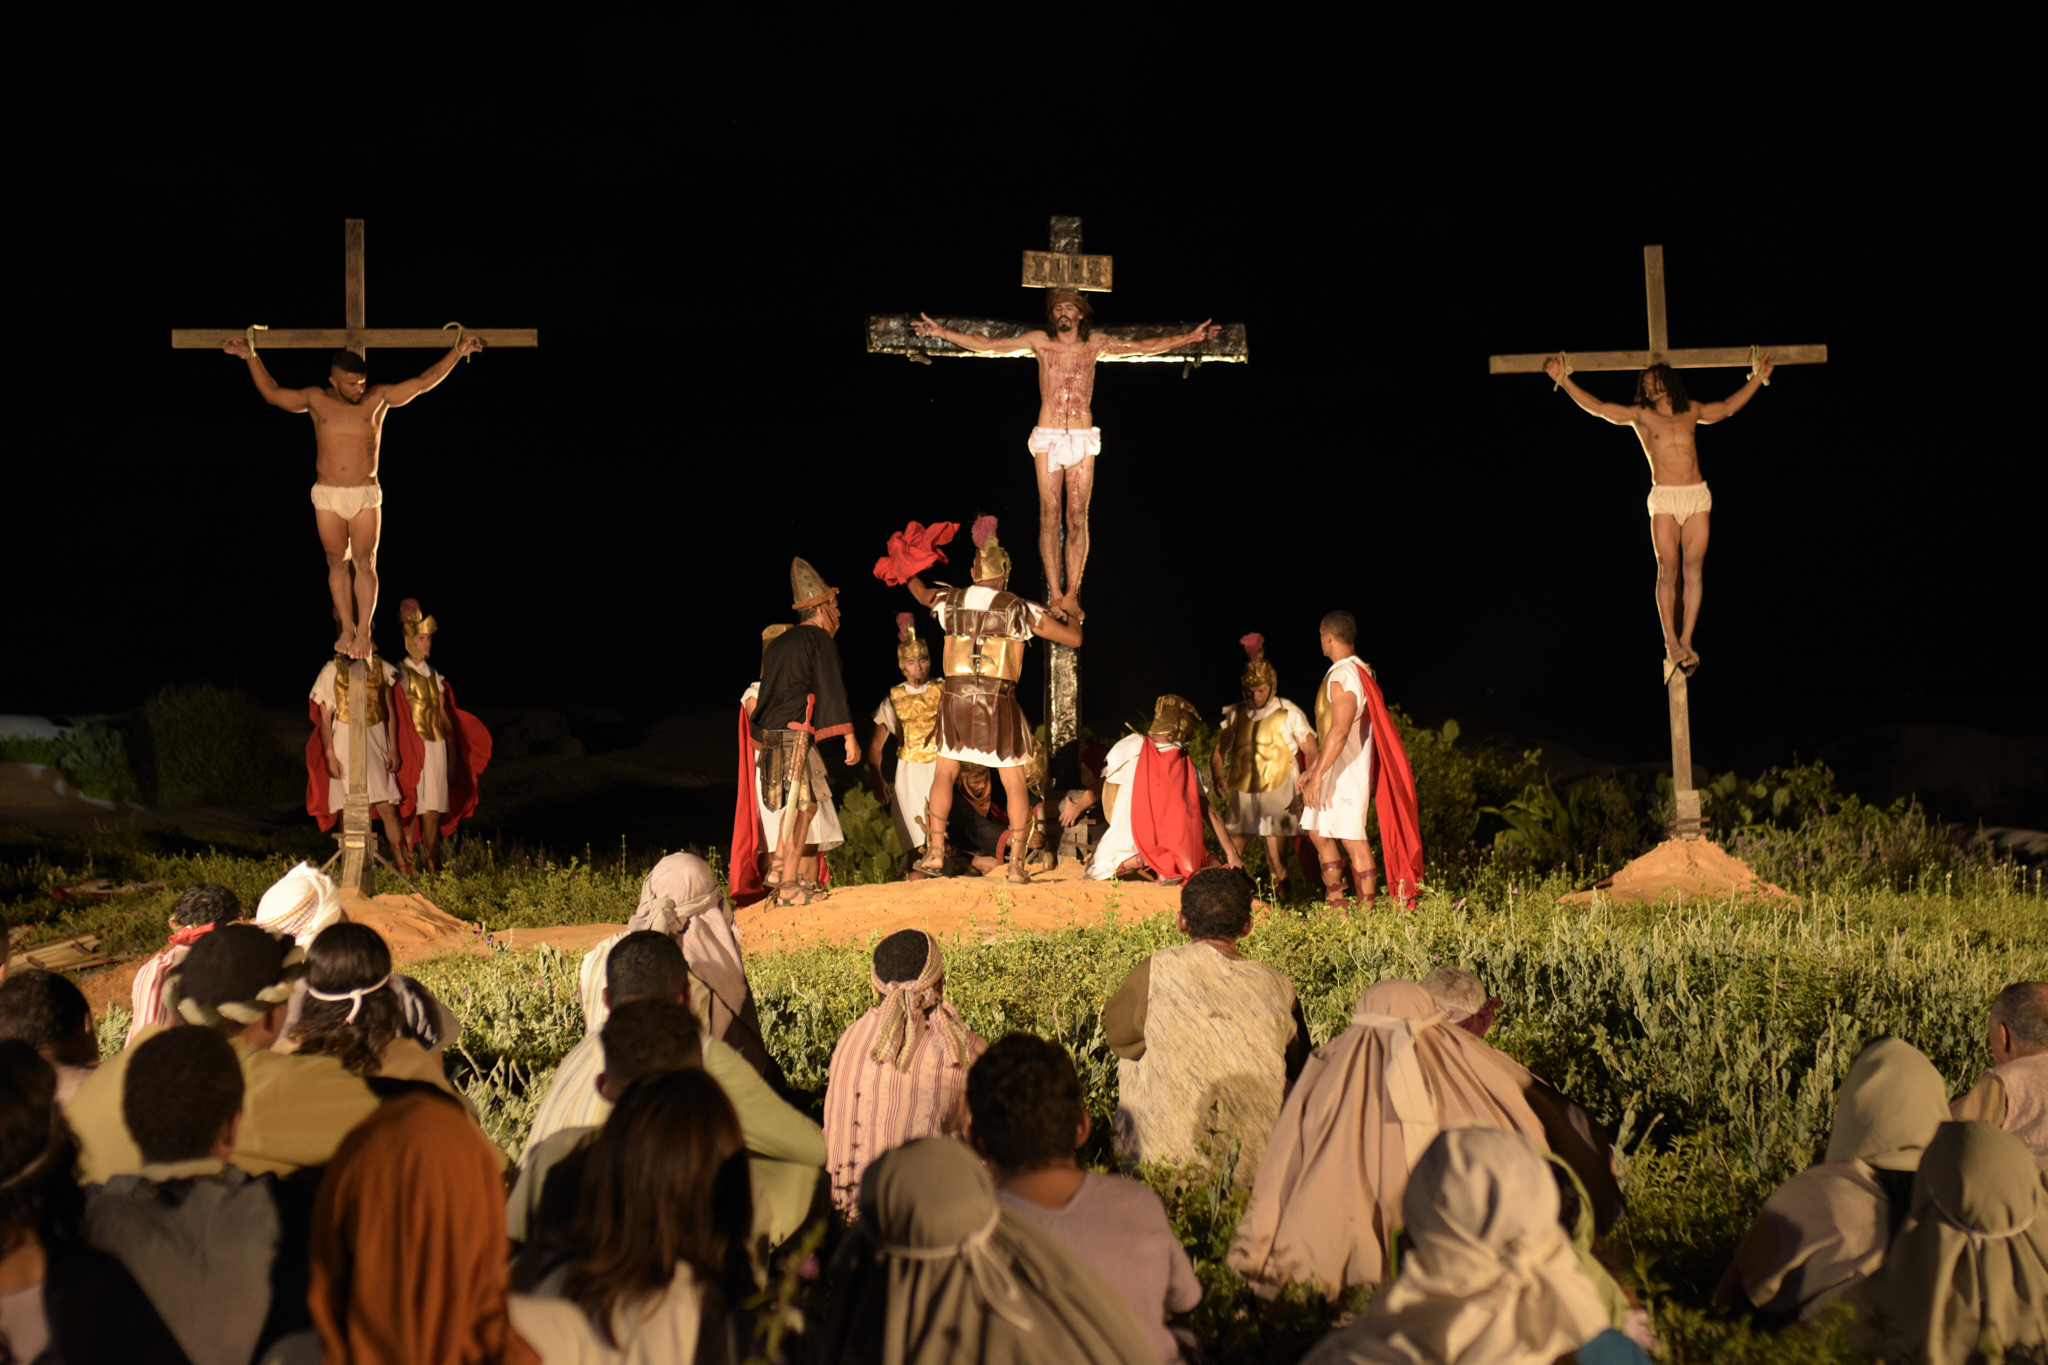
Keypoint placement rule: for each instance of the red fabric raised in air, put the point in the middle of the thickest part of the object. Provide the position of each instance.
(1393, 793)
(1166, 813)
(913, 550)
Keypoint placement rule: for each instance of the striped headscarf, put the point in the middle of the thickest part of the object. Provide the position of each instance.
(906, 1014)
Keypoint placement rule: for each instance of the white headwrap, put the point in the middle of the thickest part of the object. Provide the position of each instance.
(301, 903)
(680, 898)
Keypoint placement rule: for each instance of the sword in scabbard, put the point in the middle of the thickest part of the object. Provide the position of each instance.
(799, 770)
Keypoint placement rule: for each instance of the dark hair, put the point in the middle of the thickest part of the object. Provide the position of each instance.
(1674, 387)
(348, 362)
(43, 1010)
(645, 965)
(1343, 625)
(902, 955)
(233, 963)
(806, 615)
(1025, 1099)
(207, 903)
(665, 1183)
(347, 957)
(648, 1037)
(39, 1193)
(1082, 329)
(1217, 903)
(182, 1087)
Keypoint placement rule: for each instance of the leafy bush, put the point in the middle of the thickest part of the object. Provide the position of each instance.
(92, 755)
(872, 851)
(213, 748)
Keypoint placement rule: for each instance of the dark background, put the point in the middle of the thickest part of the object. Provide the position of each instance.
(607, 521)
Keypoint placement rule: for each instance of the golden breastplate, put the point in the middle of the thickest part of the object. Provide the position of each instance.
(917, 718)
(423, 692)
(374, 670)
(984, 656)
(1261, 758)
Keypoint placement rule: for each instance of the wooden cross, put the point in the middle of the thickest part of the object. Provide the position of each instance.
(1686, 813)
(357, 335)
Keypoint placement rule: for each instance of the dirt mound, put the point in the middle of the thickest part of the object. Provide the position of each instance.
(1683, 869)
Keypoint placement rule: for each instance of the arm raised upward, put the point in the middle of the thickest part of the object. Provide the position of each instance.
(975, 341)
(1621, 414)
(291, 400)
(1206, 332)
(1734, 402)
(399, 394)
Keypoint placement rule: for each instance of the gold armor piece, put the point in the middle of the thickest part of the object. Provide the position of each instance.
(917, 718)
(1261, 758)
(374, 669)
(984, 656)
(423, 691)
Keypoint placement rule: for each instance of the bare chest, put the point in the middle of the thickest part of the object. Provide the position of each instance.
(336, 420)
(1067, 365)
(1659, 432)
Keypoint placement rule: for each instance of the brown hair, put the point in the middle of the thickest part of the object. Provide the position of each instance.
(666, 1183)
(1055, 297)
(347, 957)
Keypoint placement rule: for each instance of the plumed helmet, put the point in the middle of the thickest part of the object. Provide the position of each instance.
(806, 588)
(991, 560)
(1256, 670)
(1173, 720)
(909, 645)
(414, 624)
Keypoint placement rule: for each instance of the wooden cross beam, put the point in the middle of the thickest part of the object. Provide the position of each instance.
(357, 335)
(1063, 266)
(1660, 350)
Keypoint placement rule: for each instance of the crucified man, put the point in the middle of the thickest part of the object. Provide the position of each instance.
(1066, 440)
(1664, 418)
(348, 502)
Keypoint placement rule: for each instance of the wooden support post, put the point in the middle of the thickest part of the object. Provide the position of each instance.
(353, 314)
(1653, 284)
(1685, 820)
(358, 861)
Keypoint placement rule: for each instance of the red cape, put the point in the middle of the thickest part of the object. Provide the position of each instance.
(469, 750)
(1393, 793)
(316, 774)
(913, 550)
(1166, 813)
(743, 871)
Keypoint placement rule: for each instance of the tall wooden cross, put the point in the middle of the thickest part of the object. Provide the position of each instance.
(357, 850)
(1062, 265)
(1686, 815)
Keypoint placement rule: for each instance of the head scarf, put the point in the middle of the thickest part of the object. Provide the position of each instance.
(1889, 1105)
(680, 898)
(1970, 1266)
(252, 976)
(907, 1010)
(937, 1271)
(408, 1240)
(1368, 1104)
(1491, 1278)
(301, 903)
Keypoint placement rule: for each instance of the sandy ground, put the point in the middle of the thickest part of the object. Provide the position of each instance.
(1683, 869)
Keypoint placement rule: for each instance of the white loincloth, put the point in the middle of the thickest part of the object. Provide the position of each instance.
(1679, 501)
(913, 789)
(382, 782)
(347, 503)
(1064, 447)
(1347, 786)
(431, 792)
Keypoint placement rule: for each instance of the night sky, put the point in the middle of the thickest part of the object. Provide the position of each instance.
(607, 521)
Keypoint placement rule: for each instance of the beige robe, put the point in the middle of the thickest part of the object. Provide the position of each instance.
(2013, 1095)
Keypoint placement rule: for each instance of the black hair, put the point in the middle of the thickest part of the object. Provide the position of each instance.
(902, 955)
(645, 965)
(233, 963)
(1025, 1100)
(42, 1009)
(347, 957)
(1674, 388)
(207, 903)
(1216, 903)
(648, 1037)
(182, 1087)
(348, 362)
(39, 1192)
(1343, 625)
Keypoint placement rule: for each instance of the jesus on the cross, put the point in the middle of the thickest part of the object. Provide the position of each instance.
(348, 502)
(1665, 419)
(1066, 440)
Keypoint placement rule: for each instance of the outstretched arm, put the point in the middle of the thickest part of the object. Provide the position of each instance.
(1050, 627)
(922, 591)
(291, 400)
(1618, 413)
(1206, 332)
(975, 341)
(398, 395)
(1734, 402)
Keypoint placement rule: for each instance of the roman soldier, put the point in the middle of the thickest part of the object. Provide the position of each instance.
(1256, 757)
(335, 713)
(1153, 798)
(909, 714)
(442, 750)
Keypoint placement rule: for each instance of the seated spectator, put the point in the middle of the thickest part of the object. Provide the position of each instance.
(938, 1270)
(295, 1109)
(1026, 1120)
(350, 1010)
(1969, 1270)
(1152, 798)
(1568, 1129)
(788, 1149)
(300, 904)
(198, 910)
(900, 1070)
(657, 1257)
(1207, 1040)
(641, 1038)
(197, 1234)
(1827, 1228)
(1489, 1277)
(58, 1295)
(409, 1252)
(680, 898)
(2014, 1093)
(51, 1015)
(1328, 1196)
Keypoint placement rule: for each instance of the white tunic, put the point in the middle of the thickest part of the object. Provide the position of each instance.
(825, 831)
(382, 782)
(1347, 785)
(1118, 843)
(913, 785)
(432, 793)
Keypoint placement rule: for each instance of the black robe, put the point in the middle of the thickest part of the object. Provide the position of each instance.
(799, 662)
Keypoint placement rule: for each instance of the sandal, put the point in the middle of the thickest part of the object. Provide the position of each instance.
(1338, 892)
(810, 886)
(934, 860)
(802, 896)
(1019, 875)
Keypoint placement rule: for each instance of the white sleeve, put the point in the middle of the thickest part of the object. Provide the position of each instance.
(1347, 678)
(1298, 728)
(885, 714)
(753, 693)
(323, 686)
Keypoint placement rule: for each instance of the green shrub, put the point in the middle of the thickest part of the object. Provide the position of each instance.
(92, 755)
(872, 851)
(213, 748)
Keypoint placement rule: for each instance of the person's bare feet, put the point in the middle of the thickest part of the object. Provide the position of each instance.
(1071, 605)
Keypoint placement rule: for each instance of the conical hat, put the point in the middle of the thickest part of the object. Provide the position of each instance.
(806, 587)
